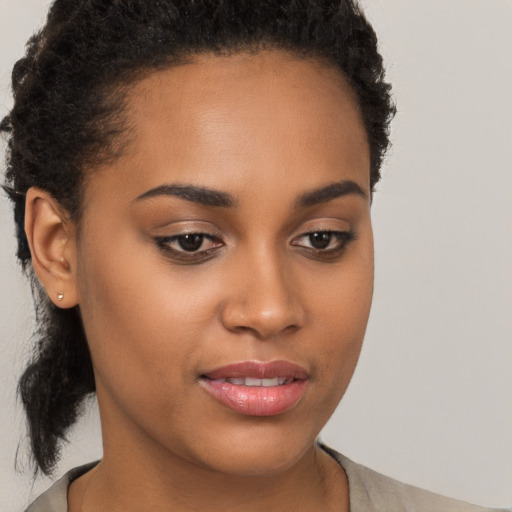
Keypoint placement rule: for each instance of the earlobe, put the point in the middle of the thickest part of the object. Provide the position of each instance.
(51, 238)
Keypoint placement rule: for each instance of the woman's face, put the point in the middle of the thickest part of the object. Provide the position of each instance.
(231, 243)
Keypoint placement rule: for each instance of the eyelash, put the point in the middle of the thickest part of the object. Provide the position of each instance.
(164, 242)
(343, 238)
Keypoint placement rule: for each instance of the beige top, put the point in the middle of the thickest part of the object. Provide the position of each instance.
(369, 492)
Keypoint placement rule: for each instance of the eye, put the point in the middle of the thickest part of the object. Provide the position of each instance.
(189, 246)
(324, 242)
(190, 243)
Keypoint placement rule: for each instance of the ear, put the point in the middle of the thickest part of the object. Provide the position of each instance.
(51, 237)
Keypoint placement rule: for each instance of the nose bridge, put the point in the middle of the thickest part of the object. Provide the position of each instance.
(262, 299)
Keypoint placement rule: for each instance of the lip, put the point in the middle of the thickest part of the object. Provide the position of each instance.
(257, 400)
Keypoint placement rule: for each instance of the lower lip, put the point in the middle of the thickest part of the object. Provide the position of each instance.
(256, 400)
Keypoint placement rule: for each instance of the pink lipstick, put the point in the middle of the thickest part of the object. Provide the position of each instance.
(254, 388)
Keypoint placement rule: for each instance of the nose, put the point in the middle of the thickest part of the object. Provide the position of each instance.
(262, 299)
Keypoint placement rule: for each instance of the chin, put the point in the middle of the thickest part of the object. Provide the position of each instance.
(254, 452)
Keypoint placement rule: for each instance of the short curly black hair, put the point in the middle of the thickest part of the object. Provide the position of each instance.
(68, 96)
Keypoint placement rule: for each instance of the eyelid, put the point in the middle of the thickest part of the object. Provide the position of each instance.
(185, 226)
(170, 244)
(317, 225)
(343, 235)
(188, 257)
(325, 222)
(342, 232)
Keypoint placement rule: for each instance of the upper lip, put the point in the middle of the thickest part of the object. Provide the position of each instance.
(258, 370)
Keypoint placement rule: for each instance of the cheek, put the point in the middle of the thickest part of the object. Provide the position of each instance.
(342, 316)
(149, 322)
(141, 322)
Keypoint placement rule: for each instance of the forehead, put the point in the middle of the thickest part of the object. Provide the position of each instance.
(244, 118)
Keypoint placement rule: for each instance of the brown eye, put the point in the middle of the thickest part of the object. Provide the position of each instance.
(323, 242)
(190, 243)
(320, 240)
(190, 247)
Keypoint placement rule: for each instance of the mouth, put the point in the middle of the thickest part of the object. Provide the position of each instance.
(254, 388)
(251, 381)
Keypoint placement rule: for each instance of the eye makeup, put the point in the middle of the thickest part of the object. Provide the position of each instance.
(194, 247)
(189, 247)
(323, 244)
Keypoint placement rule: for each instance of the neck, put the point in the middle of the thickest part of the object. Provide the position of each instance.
(136, 473)
(130, 484)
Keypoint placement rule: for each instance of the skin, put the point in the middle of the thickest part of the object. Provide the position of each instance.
(266, 129)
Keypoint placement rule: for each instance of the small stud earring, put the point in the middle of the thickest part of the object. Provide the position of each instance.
(60, 296)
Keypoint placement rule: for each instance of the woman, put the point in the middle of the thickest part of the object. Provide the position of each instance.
(194, 184)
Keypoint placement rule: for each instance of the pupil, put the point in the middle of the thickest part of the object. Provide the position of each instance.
(190, 242)
(320, 240)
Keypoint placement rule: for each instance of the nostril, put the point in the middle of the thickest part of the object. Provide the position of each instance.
(264, 330)
(264, 306)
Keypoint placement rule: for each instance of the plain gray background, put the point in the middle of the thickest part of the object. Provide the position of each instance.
(431, 400)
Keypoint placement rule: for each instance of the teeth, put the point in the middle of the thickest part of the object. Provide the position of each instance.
(250, 381)
(270, 382)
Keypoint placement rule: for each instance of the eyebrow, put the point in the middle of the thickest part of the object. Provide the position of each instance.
(194, 194)
(211, 197)
(329, 192)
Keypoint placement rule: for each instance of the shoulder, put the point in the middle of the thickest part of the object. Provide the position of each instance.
(371, 492)
(55, 499)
